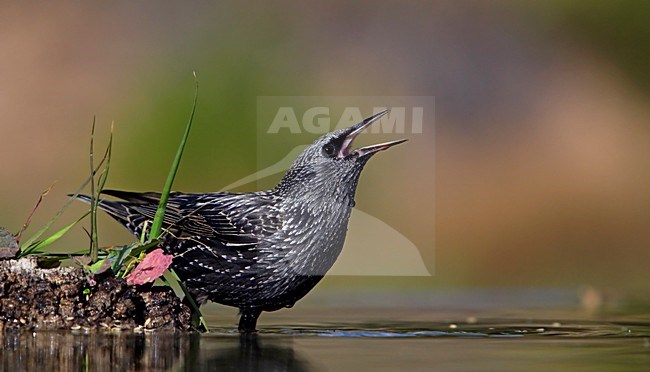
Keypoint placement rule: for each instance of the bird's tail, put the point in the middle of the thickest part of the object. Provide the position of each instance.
(120, 211)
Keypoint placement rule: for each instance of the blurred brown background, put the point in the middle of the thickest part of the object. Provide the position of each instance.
(541, 142)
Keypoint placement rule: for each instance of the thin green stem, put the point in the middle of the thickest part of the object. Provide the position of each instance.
(93, 205)
(94, 246)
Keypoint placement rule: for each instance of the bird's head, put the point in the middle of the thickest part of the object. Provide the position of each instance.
(330, 166)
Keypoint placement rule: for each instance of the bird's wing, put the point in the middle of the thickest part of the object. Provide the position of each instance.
(234, 220)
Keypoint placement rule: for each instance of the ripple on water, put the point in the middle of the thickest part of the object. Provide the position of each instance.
(488, 329)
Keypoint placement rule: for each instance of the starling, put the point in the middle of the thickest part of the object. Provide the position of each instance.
(259, 251)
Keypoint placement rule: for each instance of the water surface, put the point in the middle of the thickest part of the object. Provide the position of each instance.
(302, 344)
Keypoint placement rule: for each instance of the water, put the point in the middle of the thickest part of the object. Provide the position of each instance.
(293, 341)
(491, 347)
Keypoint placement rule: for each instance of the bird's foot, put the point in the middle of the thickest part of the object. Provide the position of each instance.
(248, 320)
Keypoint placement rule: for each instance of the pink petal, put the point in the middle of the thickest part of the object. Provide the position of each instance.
(151, 267)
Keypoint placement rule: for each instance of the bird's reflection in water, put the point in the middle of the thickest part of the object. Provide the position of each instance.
(250, 353)
(158, 351)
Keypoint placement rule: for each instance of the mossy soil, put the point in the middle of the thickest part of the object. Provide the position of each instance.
(69, 298)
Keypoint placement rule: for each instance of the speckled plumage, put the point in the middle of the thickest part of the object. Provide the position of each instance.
(265, 250)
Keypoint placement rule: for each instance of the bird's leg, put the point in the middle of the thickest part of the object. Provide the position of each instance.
(248, 320)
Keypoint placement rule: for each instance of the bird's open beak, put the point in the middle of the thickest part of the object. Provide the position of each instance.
(354, 131)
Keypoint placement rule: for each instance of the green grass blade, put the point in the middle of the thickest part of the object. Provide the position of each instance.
(94, 240)
(52, 238)
(129, 252)
(49, 223)
(156, 225)
(170, 276)
(93, 203)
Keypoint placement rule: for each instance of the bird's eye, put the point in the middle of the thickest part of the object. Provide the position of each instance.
(329, 149)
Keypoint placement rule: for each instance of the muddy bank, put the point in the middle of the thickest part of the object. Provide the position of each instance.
(65, 298)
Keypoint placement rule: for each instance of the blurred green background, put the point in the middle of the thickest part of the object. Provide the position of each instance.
(541, 142)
